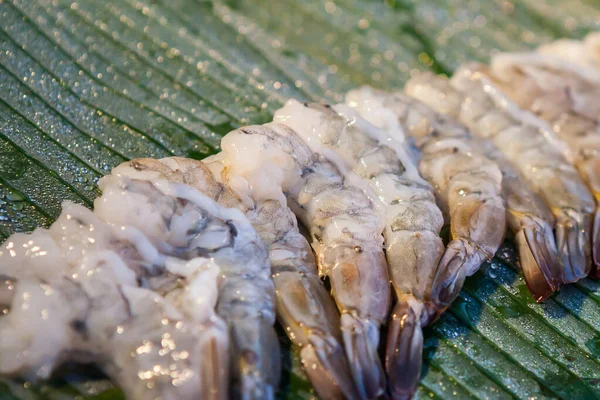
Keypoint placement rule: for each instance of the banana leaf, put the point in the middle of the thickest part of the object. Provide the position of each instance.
(88, 84)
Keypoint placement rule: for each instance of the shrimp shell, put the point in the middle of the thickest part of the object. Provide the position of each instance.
(345, 228)
(565, 96)
(527, 215)
(246, 292)
(412, 220)
(303, 304)
(532, 148)
(85, 305)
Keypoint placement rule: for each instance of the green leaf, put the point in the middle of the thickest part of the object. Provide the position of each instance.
(88, 84)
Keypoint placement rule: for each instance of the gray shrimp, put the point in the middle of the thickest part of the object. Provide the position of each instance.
(196, 226)
(412, 221)
(72, 294)
(304, 308)
(565, 95)
(531, 148)
(451, 153)
(345, 228)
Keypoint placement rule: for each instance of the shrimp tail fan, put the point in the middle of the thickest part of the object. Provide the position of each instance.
(404, 351)
(539, 259)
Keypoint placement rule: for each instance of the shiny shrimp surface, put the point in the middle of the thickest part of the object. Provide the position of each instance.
(304, 307)
(346, 230)
(246, 292)
(450, 153)
(84, 290)
(466, 183)
(381, 167)
(565, 95)
(532, 148)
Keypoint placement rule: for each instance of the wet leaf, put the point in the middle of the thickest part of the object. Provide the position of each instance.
(88, 84)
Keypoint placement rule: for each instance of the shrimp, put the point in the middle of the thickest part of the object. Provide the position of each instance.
(72, 293)
(346, 232)
(585, 53)
(195, 226)
(553, 86)
(531, 147)
(381, 168)
(451, 154)
(565, 96)
(303, 305)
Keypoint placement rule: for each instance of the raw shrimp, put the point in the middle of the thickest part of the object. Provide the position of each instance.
(382, 169)
(451, 156)
(565, 96)
(184, 223)
(72, 294)
(346, 230)
(531, 147)
(303, 305)
(585, 53)
(552, 86)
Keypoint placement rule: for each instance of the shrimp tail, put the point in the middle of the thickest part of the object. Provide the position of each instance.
(596, 243)
(477, 229)
(361, 338)
(404, 351)
(256, 360)
(325, 364)
(539, 259)
(450, 274)
(573, 244)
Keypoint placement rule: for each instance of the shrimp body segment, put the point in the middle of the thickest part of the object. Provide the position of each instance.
(564, 95)
(542, 160)
(345, 228)
(383, 169)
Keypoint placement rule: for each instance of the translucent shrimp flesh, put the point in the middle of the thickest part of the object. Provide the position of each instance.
(531, 147)
(303, 305)
(346, 231)
(564, 95)
(246, 294)
(80, 292)
(451, 154)
(380, 167)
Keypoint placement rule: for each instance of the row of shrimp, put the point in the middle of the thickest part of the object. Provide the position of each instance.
(372, 218)
(202, 256)
(357, 189)
(480, 157)
(516, 144)
(545, 123)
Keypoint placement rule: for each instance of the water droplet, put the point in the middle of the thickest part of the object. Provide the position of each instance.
(13, 195)
(594, 345)
(11, 165)
(460, 307)
(512, 311)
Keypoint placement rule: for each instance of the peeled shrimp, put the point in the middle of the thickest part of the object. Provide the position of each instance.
(407, 207)
(532, 148)
(73, 294)
(584, 52)
(565, 96)
(275, 163)
(201, 227)
(451, 154)
(304, 307)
